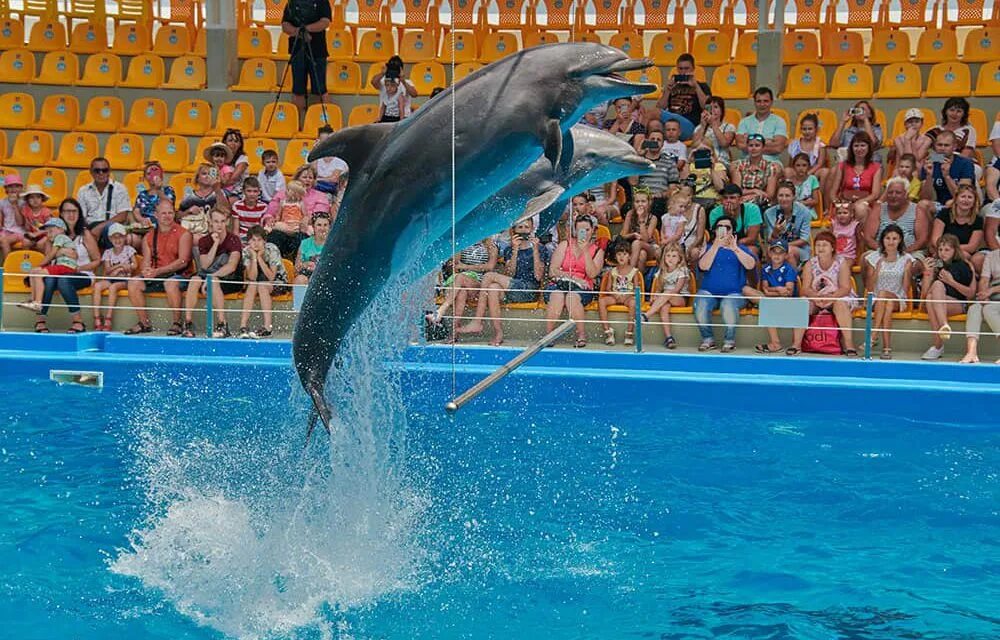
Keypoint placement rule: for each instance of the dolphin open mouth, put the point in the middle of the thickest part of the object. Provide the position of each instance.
(617, 70)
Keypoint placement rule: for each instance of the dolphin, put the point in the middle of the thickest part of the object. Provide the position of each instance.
(401, 190)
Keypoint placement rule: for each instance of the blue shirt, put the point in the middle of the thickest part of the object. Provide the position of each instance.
(525, 267)
(797, 228)
(961, 168)
(779, 277)
(726, 275)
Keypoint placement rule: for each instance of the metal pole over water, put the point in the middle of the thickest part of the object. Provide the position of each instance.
(518, 360)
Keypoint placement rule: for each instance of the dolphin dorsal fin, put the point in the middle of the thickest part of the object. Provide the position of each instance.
(542, 201)
(353, 145)
(552, 141)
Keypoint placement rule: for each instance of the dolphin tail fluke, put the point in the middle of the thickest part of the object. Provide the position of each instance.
(321, 410)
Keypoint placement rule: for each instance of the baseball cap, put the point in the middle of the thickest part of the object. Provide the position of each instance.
(116, 229)
(12, 178)
(913, 113)
(779, 244)
(55, 222)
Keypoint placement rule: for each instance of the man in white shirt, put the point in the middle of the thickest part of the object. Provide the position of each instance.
(328, 170)
(103, 201)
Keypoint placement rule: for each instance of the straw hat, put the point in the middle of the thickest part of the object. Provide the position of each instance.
(34, 189)
(218, 146)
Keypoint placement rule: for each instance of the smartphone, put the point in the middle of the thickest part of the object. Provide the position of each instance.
(650, 144)
(702, 159)
(780, 217)
(213, 173)
(721, 233)
(938, 158)
(856, 111)
(682, 77)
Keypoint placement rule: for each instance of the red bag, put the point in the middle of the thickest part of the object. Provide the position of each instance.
(823, 335)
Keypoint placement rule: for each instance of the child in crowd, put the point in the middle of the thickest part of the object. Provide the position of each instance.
(12, 231)
(236, 168)
(394, 101)
(220, 156)
(328, 170)
(639, 229)
(35, 214)
(912, 141)
(847, 229)
(887, 275)
(670, 285)
(906, 168)
(311, 248)
(778, 279)
(673, 222)
(949, 283)
(618, 286)
(270, 178)
(265, 275)
(809, 145)
(249, 210)
(672, 145)
(707, 175)
(806, 183)
(292, 223)
(60, 260)
(119, 264)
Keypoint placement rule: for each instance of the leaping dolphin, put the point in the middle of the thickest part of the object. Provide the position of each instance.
(401, 191)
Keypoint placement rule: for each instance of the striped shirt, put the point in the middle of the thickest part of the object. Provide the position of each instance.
(666, 173)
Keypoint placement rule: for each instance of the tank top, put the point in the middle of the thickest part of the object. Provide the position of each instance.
(907, 222)
(891, 275)
(576, 266)
(623, 283)
(847, 239)
(853, 181)
(825, 281)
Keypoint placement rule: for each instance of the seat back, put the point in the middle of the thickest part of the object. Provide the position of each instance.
(254, 43)
(465, 69)
(901, 80)
(278, 120)
(418, 46)
(806, 82)
(712, 49)
(125, 151)
(11, 34)
(52, 180)
(465, 49)
(255, 148)
(497, 45)
(17, 66)
(982, 45)
(102, 70)
(666, 46)
(131, 39)
(852, 81)
(800, 47)
(17, 110)
(104, 114)
(147, 115)
(59, 67)
(426, 76)
(16, 266)
(888, 46)
(187, 72)
(343, 77)
(843, 47)
(937, 45)
(948, 79)
(171, 151)
(296, 155)
(731, 81)
(145, 72)
(630, 42)
(988, 80)
(234, 114)
(376, 46)
(172, 40)
(363, 114)
(315, 119)
(339, 44)
(47, 35)
(89, 37)
(257, 74)
(33, 148)
(59, 112)
(77, 149)
(191, 118)
(746, 48)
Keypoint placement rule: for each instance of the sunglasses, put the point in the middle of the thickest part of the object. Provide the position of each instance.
(755, 136)
(100, 170)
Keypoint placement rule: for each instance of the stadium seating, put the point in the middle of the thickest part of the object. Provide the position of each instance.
(102, 70)
(257, 74)
(899, 124)
(32, 149)
(418, 46)
(900, 80)
(731, 81)
(808, 15)
(497, 45)
(465, 48)
(17, 66)
(861, 14)
(172, 41)
(191, 118)
(315, 119)
(145, 71)
(255, 148)
(559, 16)
(988, 80)
(76, 150)
(296, 153)
(254, 43)
(343, 77)
(171, 151)
(889, 46)
(977, 119)
(968, 13)
(181, 183)
(666, 46)
(60, 68)
(842, 47)
(464, 69)
(187, 72)
(912, 13)
(948, 79)
(125, 151)
(17, 110)
(47, 35)
(52, 180)
(89, 38)
(805, 82)
(363, 114)
(279, 120)
(658, 17)
(147, 115)
(828, 122)
(800, 47)
(59, 112)
(426, 76)
(376, 46)
(629, 42)
(339, 44)
(712, 49)
(131, 39)
(746, 49)
(104, 114)
(852, 81)
(198, 158)
(937, 45)
(982, 45)
(233, 114)
(11, 34)
(15, 266)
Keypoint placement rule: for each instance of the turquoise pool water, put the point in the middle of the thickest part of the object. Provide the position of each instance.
(183, 505)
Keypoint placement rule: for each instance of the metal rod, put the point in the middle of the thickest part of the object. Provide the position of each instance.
(1, 299)
(638, 320)
(504, 369)
(869, 304)
(208, 306)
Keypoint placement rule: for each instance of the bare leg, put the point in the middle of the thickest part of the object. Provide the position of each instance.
(190, 298)
(843, 315)
(264, 291)
(113, 291)
(493, 295)
(137, 296)
(248, 299)
(554, 308)
(575, 308)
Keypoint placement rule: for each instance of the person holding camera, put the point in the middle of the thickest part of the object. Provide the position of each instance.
(684, 97)
(724, 263)
(860, 117)
(305, 23)
(666, 172)
(395, 91)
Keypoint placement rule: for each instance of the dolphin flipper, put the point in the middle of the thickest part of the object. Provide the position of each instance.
(353, 145)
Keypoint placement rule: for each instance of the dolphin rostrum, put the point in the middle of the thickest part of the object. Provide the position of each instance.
(401, 193)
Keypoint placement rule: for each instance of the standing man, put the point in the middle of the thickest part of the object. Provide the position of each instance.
(307, 19)
(684, 97)
(103, 201)
(769, 125)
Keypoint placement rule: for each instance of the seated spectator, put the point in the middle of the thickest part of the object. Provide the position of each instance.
(991, 208)
(604, 201)
(104, 201)
(806, 184)
(789, 221)
(951, 286)
(524, 268)
(692, 239)
(955, 118)
(684, 97)
(778, 279)
(329, 169)
(219, 253)
(639, 230)
(314, 200)
(236, 167)
(755, 174)
(35, 214)
(986, 304)
(166, 261)
(672, 145)
(291, 226)
(810, 146)
(666, 172)
(395, 91)
(944, 170)
(310, 249)
(627, 121)
(714, 130)
(906, 168)
(12, 232)
(196, 204)
(762, 122)
(249, 210)
(220, 157)
(147, 196)
(270, 177)
(467, 270)
(857, 180)
(828, 284)
(896, 208)
(707, 175)
(725, 263)
(848, 231)
(575, 264)
(265, 275)
(961, 220)
(887, 275)
(858, 119)
(118, 264)
(746, 217)
(911, 141)
(618, 286)
(60, 260)
(674, 222)
(670, 286)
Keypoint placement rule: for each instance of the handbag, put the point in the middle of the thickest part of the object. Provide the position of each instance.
(823, 335)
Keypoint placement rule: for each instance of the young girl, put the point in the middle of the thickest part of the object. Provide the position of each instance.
(887, 275)
(639, 229)
(35, 214)
(118, 263)
(311, 248)
(394, 102)
(806, 183)
(236, 168)
(263, 270)
(292, 223)
(618, 287)
(13, 222)
(673, 222)
(811, 147)
(847, 229)
(670, 286)
(949, 289)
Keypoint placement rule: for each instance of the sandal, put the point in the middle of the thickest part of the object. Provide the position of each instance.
(580, 343)
(244, 333)
(176, 329)
(792, 351)
(851, 353)
(766, 348)
(77, 327)
(263, 332)
(188, 330)
(41, 327)
(139, 328)
(221, 331)
(886, 354)
(496, 342)
(629, 338)
(670, 342)
(609, 337)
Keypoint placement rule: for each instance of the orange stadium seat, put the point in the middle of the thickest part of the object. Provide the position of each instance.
(418, 46)
(988, 80)
(464, 49)
(170, 151)
(145, 72)
(139, 11)
(191, 118)
(363, 114)
(234, 114)
(147, 115)
(186, 12)
(255, 148)
(666, 46)
(559, 15)
(373, 14)
(800, 47)
(172, 41)
(982, 45)
(731, 81)
(187, 72)
(76, 150)
(257, 74)
(465, 69)
(828, 122)
(201, 43)
(39, 8)
(805, 82)
(102, 70)
(710, 15)
(296, 153)
(15, 266)
(746, 49)
(125, 151)
(53, 182)
(339, 44)
(977, 120)
(658, 16)
(888, 46)
(629, 42)
(17, 110)
(912, 13)
(32, 149)
(937, 45)
(512, 15)
(496, 46)
(283, 124)
(47, 35)
(254, 43)
(82, 178)
(842, 47)
(853, 82)
(712, 49)
(968, 13)
(426, 76)
(808, 15)
(417, 15)
(86, 10)
(59, 112)
(181, 183)
(59, 67)
(750, 11)
(899, 124)
(583, 36)
(104, 114)
(366, 87)
(948, 79)
(198, 158)
(89, 37)
(315, 119)
(11, 34)
(343, 77)
(901, 80)
(17, 66)
(131, 39)
(281, 51)
(861, 14)
(376, 46)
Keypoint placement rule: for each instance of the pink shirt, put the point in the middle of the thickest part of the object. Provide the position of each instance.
(314, 202)
(847, 239)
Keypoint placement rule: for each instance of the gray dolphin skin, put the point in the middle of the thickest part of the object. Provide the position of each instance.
(401, 192)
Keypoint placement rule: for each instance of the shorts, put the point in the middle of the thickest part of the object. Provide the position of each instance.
(390, 119)
(11, 235)
(514, 295)
(303, 72)
(473, 275)
(59, 270)
(586, 295)
(156, 286)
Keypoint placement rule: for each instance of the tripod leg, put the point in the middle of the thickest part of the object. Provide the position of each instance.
(281, 83)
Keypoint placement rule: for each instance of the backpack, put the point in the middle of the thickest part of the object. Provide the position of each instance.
(823, 335)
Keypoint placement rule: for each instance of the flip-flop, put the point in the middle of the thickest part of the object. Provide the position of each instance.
(792, 351)
(139, 328)
(496, 343)
(764, 348)
(580, 344)
(851, 353)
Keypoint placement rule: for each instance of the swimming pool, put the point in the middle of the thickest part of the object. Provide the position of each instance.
(589, 495)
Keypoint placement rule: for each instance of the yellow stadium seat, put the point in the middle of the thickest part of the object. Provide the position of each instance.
(131, 181)
(53, 182)
(607, 16)
(186, 72)
(16, 266)
(536, 38)
(83, 178)
(988, 81)
(339, 44)
(59, 67)
(366, 87)
(497, 45)
(318, 115)
(201, 43)
(234, 114)
(104, 114)
(425, 76)
(102, 70)
(559, 15)
(731, 81)
(131, 39)
(899, 124)
(89, 37)
(800, 47)
(283, 124)
(257, 74)
(842, 47)
(861, 14)
(199, 152)
(805, 82)
(746, 49)
(296, 153)
(828, 121)
(254, 43)
(630, 42)
(17, 110)
(982, 45)
(343, 77)
(59, 112)
(889, 46)
(170, 151)
(464, 69)
(712, 49)
(147, 115)
(465, 49)
(363, 114)
(376, 46)
(47, 35)
(937, 45)
(977, 120)
(76, 150)
(145, 72)
(255, 148)
(852, 82)
(808, 15)
(125, 151)
(649, 75)
(666, 46)
(11, 34)
(699, 75)
(181, 183)
(783, 114)
(418, 46)
(17, 66)
(912, 13)
(281, 51)
(900, 80)
(32, 149)
(948, 79)
(172, 41)
(191, 118)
